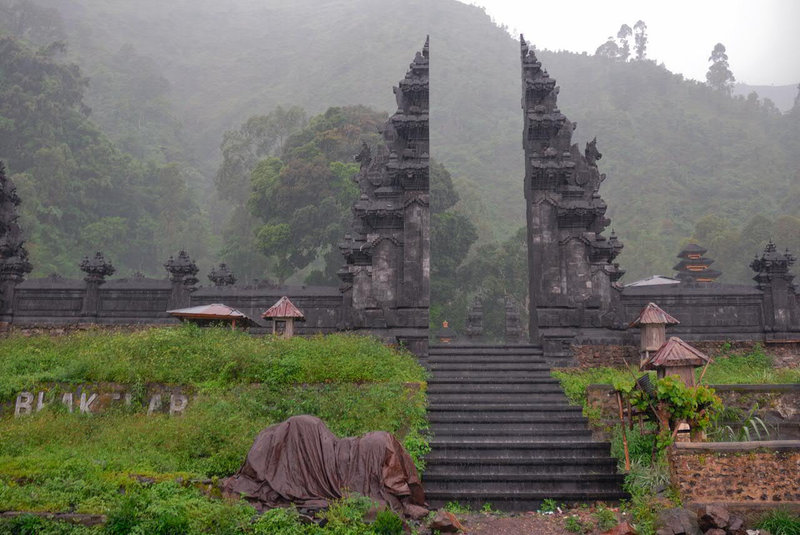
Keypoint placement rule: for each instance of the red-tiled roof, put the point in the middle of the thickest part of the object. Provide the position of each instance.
(214, 311)
(283, 309)
(651, 314)
(676, 352)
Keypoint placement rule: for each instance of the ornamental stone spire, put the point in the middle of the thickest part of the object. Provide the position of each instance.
(386, 276)
(14, 264)
(573, 277)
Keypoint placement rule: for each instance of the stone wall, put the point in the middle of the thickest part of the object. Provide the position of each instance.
(614, 356)
(56, 305)
(737, 472)
(785, 354)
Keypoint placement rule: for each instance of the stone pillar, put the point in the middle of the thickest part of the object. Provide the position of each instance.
(182, 273)
(513, 326)
(96, 269)
(780, 306)
(14, 263)
(474, 323)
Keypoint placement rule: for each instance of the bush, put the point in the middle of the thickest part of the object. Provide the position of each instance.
(780, 522)
(279, 521)
(387, 523)
(605, 518)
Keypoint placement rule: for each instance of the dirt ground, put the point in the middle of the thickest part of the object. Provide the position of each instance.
(526, 523)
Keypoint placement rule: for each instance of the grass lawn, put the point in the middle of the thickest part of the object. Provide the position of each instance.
(122, 460)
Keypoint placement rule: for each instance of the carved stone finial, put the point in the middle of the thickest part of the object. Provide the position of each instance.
(474, 324)
(14, 264)
(364, 157)
(182, 269)
(222, 276)
(772, 263)
(591, 152)
(96, 268)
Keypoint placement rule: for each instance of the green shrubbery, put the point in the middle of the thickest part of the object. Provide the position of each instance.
(648, 480)
(728, 367)
(189, 355)
(136, 468)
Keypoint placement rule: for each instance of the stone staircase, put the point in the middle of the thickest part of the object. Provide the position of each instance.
(505, 434)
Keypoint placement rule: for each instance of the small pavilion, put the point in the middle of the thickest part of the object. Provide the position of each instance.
(652, 321)
(676, 357)
(206, 315)
(283, 315)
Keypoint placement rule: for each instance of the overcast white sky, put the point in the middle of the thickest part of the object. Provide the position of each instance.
(762, 37)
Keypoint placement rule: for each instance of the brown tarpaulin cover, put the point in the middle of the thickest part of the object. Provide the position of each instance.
(300, 461)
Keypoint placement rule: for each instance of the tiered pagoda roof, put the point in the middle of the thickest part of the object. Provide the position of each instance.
(693, 266)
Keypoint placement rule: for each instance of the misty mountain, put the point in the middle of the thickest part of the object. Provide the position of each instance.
(674, 150)
(781, 95)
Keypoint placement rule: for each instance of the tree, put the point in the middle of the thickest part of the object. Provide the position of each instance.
(719, 76)
(796, 107)
(609, 49)
(623, 35)
(640, 38)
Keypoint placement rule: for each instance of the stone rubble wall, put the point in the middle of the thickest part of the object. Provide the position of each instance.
(737, 472)
(784, 354)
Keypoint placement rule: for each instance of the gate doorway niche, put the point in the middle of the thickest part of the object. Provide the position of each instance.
(495, 320)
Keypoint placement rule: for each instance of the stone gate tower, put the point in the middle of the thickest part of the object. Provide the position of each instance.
(572, 277)
(386, 278)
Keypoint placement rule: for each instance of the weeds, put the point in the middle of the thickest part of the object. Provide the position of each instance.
(780, 522)
(124, 463)
(604, 517)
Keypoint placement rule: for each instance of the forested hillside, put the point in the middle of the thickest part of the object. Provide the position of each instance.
(168, 79)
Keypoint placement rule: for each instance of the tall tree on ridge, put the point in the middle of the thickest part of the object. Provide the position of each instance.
(640, 38)
(623, 35)
(719, 75)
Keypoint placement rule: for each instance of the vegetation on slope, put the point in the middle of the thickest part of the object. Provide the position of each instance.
(728, 367)
(122, 458)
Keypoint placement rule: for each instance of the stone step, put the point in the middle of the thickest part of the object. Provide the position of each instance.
(478, 349)
(520, 501)
(516, 447)
(530, 399)
(495, 359)
(491, 376)
(502, 418)
(521, 465)
(489, 366)
(500, 432)
(552, 408)
(488, 427)
(494, 388)
(489, 482)
(500, 381)
(503, 432)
